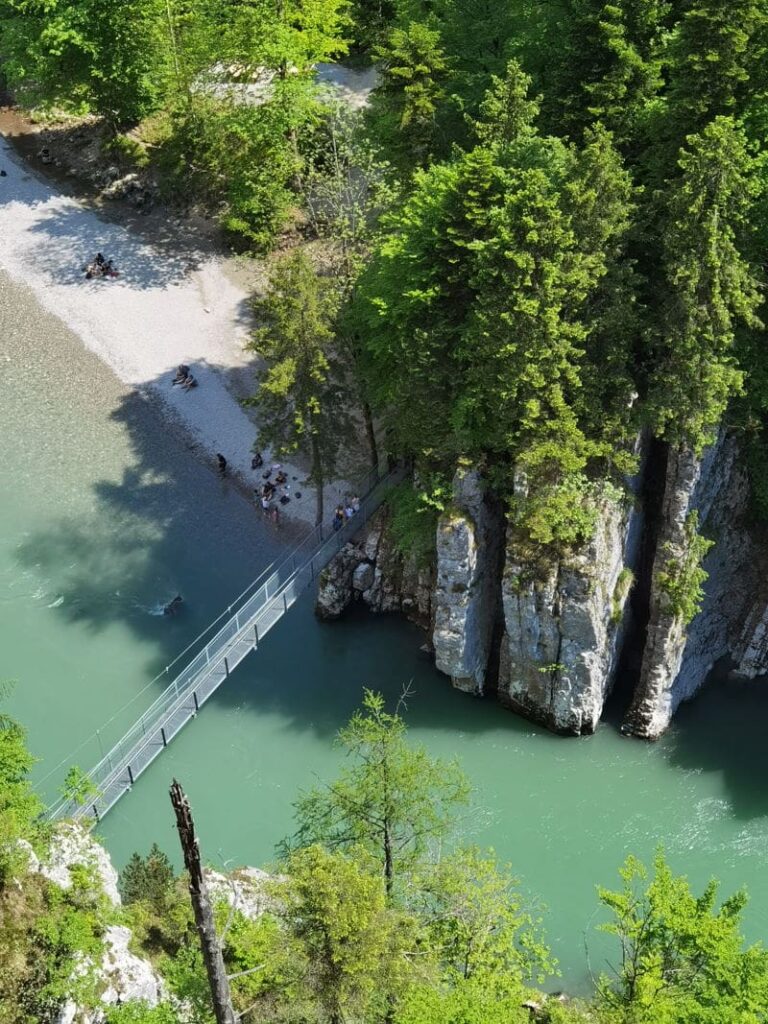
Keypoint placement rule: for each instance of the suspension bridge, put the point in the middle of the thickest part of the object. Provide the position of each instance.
(250, 618)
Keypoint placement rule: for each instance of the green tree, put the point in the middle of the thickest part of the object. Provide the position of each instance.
(602, 62)
(393, 801)
(78, 787)
(335, 906)
(681, 957)
(137, 1012)
(80, 53)
(711, 288)
(19, 805)
(714, 54)
(404, 107)
(150, 879)
(477, 922)
(300, 400)
(482, 302)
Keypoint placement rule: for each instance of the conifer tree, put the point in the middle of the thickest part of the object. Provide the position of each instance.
(300, 397)
(605, 65)
(711, 287)
(713, 57)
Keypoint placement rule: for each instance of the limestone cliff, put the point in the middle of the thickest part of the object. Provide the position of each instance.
(467, 596)
(676, 658)
(372, 570)
(563, 620)
(547, 630)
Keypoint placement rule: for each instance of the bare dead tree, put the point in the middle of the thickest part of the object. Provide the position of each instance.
(201, 904)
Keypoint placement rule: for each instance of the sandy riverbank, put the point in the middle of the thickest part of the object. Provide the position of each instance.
(170, 305)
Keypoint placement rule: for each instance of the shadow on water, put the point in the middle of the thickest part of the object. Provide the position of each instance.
(723, 730)
(168, 525)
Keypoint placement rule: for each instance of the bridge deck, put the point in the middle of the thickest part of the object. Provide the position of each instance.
(120, 767)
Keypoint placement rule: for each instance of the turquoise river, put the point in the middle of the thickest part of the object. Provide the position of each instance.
(105, 514)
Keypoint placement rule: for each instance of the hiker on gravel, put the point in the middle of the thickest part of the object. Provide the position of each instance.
(257, 461)
(222, 464)
(182, 372)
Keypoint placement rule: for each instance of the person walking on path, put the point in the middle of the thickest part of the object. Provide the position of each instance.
(222, 463)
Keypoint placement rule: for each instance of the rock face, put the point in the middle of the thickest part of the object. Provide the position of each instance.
(245, 889)
(550, 629)
(72, 845)
(676, 659)
(564, 619)
(373, 571)
(467, 593)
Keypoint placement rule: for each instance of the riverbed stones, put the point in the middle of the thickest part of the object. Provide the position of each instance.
(563, 621)
(467, 593)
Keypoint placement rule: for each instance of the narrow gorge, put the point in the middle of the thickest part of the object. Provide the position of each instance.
(547, 632)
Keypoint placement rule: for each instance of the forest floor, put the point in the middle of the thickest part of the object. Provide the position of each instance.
(179, 298)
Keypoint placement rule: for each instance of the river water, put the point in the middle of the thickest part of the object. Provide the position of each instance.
(105, 514)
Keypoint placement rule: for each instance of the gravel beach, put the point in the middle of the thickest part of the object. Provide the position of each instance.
(170, 305)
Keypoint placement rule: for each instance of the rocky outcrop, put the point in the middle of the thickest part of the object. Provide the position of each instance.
(372, 571)
(467, 595)
(245, 890)
(71, 845)
(677, 658)
(563, 621)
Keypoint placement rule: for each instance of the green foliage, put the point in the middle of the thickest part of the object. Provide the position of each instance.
(564, 513)
(301, 399)
(135, 1012)
(717, 51)
(606, 66)
(476, 921)
(45, 934)
(19, 805)
(336, 908)
(484, 301)
(682, 579)
(621, 592)
(413, 69)
(682, 957)
(78, 786)
(394, 801)
(149, 879)
(413, 522)
(711, 287)
(70, 53)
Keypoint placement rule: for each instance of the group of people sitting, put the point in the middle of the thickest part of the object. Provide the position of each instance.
(277, 489)
(100, 267)
(184, 378)
(345, 511)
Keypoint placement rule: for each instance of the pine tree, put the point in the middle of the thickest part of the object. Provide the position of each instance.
(714, 54)
(404, 107)
(711, 287)
(300, 401)
(602, 62)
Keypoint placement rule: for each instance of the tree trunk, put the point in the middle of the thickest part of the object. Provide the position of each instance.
(201, 904)
(317, 474)
(388, 866)
(373, 448)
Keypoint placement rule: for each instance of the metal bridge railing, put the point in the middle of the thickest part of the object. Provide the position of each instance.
(257, 613)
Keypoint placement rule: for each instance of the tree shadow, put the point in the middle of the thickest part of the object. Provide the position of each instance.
(723, 730)
(69, 234)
